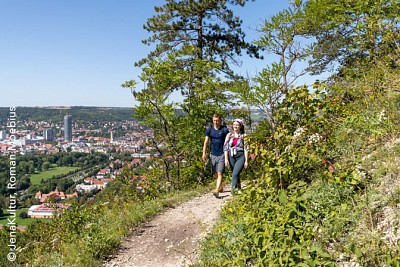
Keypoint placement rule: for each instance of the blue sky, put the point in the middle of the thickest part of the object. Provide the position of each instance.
(78, 53)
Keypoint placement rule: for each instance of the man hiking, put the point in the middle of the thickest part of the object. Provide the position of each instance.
(216, 136)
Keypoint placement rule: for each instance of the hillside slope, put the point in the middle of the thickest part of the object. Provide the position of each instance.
(172, 238)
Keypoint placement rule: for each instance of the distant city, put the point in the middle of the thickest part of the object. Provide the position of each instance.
(71, 135)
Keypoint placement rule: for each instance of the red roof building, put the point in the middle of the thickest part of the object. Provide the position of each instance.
(46, 210)
(56, 195)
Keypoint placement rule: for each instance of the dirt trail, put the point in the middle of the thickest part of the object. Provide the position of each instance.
(172, 238)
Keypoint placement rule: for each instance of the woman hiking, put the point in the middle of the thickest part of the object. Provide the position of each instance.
(236, 155)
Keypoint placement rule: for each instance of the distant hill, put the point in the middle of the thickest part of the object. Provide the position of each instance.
(83, 113)
(57, 113)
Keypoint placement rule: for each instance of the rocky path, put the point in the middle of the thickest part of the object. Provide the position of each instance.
(172, 238)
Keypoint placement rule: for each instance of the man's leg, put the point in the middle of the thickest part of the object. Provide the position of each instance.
(220, 171)
(219, 179)
(219, 163)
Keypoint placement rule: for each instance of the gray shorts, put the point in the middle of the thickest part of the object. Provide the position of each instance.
(218, 163)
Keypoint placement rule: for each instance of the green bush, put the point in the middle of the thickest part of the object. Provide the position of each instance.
(267, 227)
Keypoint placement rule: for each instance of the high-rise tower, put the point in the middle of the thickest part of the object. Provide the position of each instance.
(3, 134)
(48, 134)
(68, 128)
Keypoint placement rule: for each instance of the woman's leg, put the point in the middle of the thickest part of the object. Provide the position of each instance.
(237, 168)
(232, 165)
(239, 185)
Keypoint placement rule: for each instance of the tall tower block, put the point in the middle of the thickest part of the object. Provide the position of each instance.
(68, 128)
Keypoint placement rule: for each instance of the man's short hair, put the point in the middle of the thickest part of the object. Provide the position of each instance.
(216, 115)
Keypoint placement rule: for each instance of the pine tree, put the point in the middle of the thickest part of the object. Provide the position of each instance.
(207, 25)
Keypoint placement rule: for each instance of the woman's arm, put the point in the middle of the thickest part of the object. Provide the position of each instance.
(226, 148)
(246, 154)
(246, 157)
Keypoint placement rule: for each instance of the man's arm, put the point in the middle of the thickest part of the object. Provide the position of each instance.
(206, 139)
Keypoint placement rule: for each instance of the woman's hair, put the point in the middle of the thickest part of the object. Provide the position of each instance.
(241, 125)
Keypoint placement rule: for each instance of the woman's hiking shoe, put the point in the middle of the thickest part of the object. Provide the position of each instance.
(236, 192)
(220, 189)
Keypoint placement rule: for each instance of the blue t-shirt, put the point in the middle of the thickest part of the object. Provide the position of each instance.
(217, 139)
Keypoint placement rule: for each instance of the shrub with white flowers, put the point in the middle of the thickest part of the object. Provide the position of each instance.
(315, 138)
(381, 116)
(298, 132)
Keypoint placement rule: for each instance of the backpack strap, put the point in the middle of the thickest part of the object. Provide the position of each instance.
(225, 131)
(208, 130)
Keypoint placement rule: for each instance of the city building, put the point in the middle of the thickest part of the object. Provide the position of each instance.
(86, 187)
(46, 210)
(48, 134)
(3, 134)
(68, 128)
(54, 195)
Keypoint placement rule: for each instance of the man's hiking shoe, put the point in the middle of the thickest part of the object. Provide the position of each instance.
(220, 189)
(215, 192)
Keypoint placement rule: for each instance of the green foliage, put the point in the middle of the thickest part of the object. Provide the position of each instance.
(267, 227)
(345, 120)
(341, 208)
(295, 146)
(352, 33)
